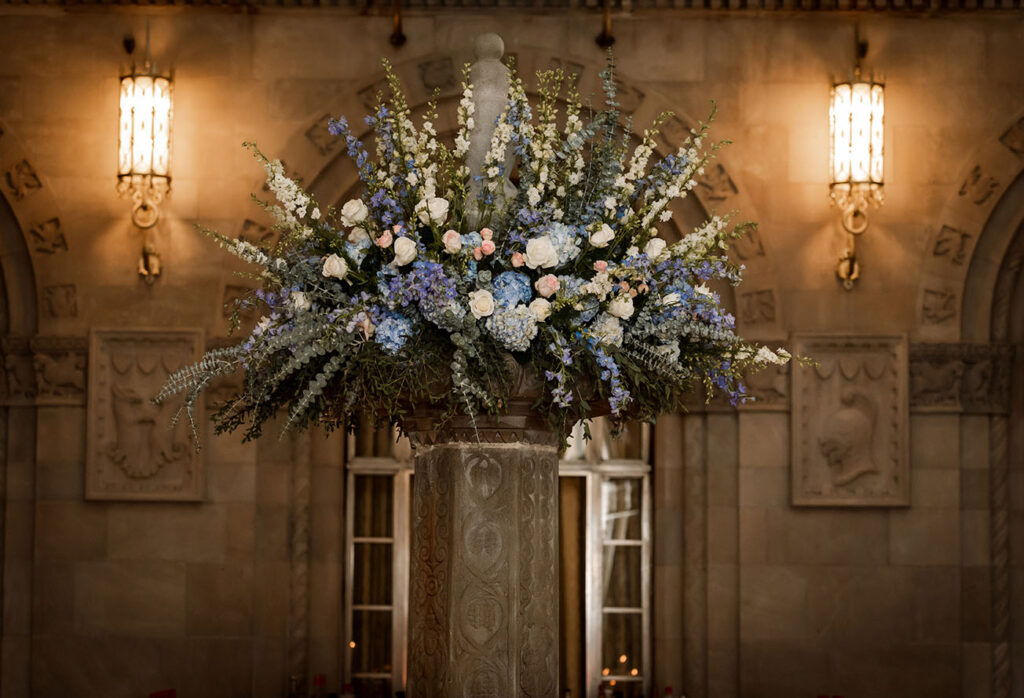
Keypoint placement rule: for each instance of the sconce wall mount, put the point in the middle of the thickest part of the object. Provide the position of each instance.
(144, 149)
(857, 164)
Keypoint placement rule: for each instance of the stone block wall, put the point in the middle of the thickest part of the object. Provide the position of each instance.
(236, 592)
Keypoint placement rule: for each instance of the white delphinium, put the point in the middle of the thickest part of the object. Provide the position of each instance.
(466, 122)
(293, 200)
(778, 357)
(676, 187)
(699, 243)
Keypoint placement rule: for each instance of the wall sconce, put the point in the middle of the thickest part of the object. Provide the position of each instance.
(144, 148)
(856, 116)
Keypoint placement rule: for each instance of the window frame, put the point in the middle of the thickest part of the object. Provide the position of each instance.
(399, 467)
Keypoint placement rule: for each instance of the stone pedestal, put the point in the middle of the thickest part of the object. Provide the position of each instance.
(484, 575)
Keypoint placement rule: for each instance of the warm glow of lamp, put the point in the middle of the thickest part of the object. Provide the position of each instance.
(857, 156)
(144, 142)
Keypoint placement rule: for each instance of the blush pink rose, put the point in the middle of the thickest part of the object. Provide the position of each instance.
(385, 239)
(600, 265)
(547, 285)
(486, 234)
(517, 259)
(487, 247)
(478, 253)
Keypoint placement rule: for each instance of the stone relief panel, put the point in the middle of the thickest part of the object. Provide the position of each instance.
(43, 371)
(971, 378)
(850, 425)
(132, 451)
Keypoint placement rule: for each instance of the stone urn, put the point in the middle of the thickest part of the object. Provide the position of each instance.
(484, 571)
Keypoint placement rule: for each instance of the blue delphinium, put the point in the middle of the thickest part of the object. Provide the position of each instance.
(514, 328)
(511, 288)
(433, 292)
(393, 332)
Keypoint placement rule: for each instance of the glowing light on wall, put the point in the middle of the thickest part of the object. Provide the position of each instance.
(857, 157)
(144, 142)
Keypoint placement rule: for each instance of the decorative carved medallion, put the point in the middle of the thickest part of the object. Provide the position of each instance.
(133, 453)
(850, 443)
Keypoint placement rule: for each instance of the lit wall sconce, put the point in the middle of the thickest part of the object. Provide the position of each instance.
(856, 115)
(144, 148)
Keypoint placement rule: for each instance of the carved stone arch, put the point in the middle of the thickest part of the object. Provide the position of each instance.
(319, 159)
(968, 242)
(979, 252)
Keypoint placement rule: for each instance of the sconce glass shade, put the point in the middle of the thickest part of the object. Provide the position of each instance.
(857, 118)
(144, 142)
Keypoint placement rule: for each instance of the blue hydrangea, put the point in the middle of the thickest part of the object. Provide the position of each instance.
(571, 287)
(511, 288)
(514, 328)
(566, 241)
(393, 332)
(471, 241)
(356, 251)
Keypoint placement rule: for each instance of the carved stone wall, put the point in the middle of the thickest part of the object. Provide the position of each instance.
(131, 453)
(850, 424)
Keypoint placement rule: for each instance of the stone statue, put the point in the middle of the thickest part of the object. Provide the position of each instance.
(847, 438)
(490, 80)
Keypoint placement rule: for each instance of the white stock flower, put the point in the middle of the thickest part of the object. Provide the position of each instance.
(540, 253)
(607, 329)
(670, 299)
(299, 301)
(354, 211)
(654, 248)
(621, 306)
(602, 236)
(405, 251)
(432, 210)
(540, 308)
(601, 285)
(315, 215)
(702, 289)
(481, 303)
(335, 266)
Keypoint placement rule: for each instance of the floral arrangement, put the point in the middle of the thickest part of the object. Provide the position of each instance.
(417, 293)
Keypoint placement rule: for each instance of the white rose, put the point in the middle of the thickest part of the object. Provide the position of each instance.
(452, 241)
(357, 235)
(432, 210)
(621, 307)
(299, 301)
(335, 266)
(540, 253)
(354, 211)
(654, 248)
(405, 251)
(481, 303)
(602, 236)
(540, 308)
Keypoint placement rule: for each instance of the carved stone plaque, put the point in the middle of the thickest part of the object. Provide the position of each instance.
(132, 452)
(850, 425)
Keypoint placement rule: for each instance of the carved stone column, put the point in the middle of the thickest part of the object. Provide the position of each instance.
(484, 575)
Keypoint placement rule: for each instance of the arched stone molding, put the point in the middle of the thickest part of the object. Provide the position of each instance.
(48, 267)
(961, 263)
(319, 159)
